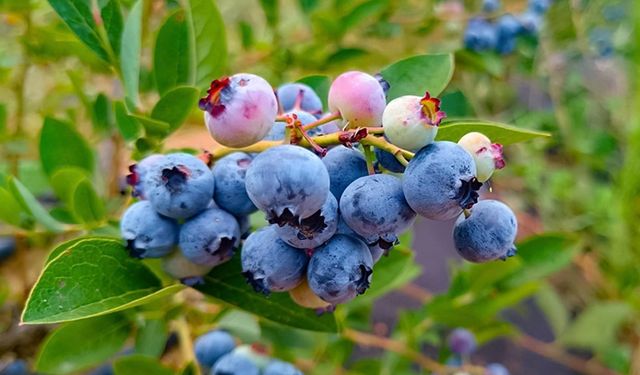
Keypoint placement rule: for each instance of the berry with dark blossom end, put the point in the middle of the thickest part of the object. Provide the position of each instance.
(147, 234)
(269, 264)
(211, 346)
(314, 230)
(288, 183)
(462, 341)
(210, 237)
(487, 233)
(440, 181)
(375, 208)
(137, 172)
(344, 165)
(239, 110)
(359, 98)
(411, 122)
(487, 155)
(229, 174)
(340, 270)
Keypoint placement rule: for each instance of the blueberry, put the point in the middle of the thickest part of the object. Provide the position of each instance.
(244, 222)
(340, 270)
(480, 35)
(462, 341)
(304, 296)
(602, 40)
(7, 247)
(411, 122)
(298, 96)
(496, 369)
(278, 129)
(179, 267)
(229, 174)
(210, 238)
(137, 173)
(179, 186)
(287, 183)
(508, 28)
(17, 367)
(359, 98)
(269, 264)
(375, 208)
(490, 6)
(487, 234)
(234, 364)
(239, 110)
(388, 161)
(531, 22)
(487, 156)
(440, 181)
(147, 234)
(376, 251)
(314, 230)
(276, 367)
(539, 6)
(345, 165)
(211, 346)
(386, 86)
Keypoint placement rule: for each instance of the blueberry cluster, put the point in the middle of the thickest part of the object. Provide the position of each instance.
(217, 351)
(331, 216)
(462, 343)
(487, 33)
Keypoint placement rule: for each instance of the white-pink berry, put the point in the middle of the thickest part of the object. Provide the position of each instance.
(359, 98)
(487, 155)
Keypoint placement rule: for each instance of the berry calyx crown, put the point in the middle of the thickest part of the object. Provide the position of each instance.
(211, 103)
(430, 107)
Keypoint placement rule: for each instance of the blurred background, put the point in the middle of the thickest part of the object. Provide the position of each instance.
(569, 305)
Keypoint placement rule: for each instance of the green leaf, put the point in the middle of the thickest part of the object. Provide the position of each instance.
(320, 84)
(152, 128)
(171, 55)
(128, 126)
(391, 272)
(91, 277)
(112, 20)
(65, 180)
(130, 54)
(555, 311)
(102, 113)
(542, 256)
(62, 146)
(10, 208)
(62, 247)
(597, 326)
(174, 107)
(453, 130)
(209, 40)
(227, 284)
(78, 16)
(139, 364)
(86, 205)
(3, 120)
(241, 325)
(80, 345)
(152, 337)
(417, 74)
(31, 205)
(271, 11)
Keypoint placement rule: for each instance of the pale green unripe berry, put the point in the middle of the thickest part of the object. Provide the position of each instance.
(411, 122)
(488, 156)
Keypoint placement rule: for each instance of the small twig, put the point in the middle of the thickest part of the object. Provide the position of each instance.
(328, 118)
(368, 154)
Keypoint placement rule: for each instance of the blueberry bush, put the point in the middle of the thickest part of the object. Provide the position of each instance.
(273, 187)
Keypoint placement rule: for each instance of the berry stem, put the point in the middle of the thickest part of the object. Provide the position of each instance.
(328, 118)
(368, 154)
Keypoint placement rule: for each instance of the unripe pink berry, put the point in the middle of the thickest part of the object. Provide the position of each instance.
(359, 98)
(488, 156)
(239, 110)
(411, 122)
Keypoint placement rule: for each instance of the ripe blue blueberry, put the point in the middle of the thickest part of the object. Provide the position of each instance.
(490, 6)
(278, 129)
(440, 181)
(235, 364)
(531, 22)
(17, 367)
(211, 346)
(376, 251)
(539, 6)
(137, 172)
(462, 341)
(496, 369)
(375, 208)
(508, 28)
(344, 165)
(487, 234)
(295, 96)
(388, 161)
(179, 186)
(179, 267)
(288, 183)
(314, 230)
(210, 237)
(230, 194)
(147, 234)
(269, 264)
(276, 367)
(340, 270)
(239, 110)
(480, 35)
(7, 247)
